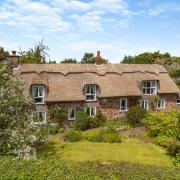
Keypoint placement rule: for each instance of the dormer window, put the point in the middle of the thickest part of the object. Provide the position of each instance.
(90, 92)
(38, 94)
(149, 87)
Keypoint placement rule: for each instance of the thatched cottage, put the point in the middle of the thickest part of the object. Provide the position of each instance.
(109, 88)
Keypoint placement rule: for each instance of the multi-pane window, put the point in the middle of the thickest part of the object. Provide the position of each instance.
(123, 104)
(161, 104)
(39, 117)
(144, 104)
(38, 94)
(91, 111)
(178, 101)
(90, 92)
(149, 87)
(71, 113)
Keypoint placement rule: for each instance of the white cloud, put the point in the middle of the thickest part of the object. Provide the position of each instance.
(164, 8)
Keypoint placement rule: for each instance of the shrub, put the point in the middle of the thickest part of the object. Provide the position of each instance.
(107, 135)
(162, 140)
(173, 147)
(96, 121)
(162, 123)
(52, 128)
(57, 114)
(61, 130)
(73, 136)
(18, 136)
(176, 160)
(81, 121)
(135, 115)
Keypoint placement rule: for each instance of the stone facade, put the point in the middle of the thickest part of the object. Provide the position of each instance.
(110, 107)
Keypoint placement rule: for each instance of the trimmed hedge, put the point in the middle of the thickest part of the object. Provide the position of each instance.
(59, 169)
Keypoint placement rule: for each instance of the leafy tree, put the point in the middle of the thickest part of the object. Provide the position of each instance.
(36, 55)
(3, 53)
(17, 135)
(69, 61)
(89, 58)
(144, 58)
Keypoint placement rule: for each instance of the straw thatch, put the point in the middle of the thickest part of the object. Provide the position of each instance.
(65, 82)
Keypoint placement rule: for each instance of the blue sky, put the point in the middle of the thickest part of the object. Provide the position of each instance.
(72, 27)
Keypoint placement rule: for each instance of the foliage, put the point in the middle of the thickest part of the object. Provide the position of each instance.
(106, 135)
(57, 114)
(81, 121)
(61, 130)
(89, 58)
(69, 61)
(162, 123)
(72, 136)
(17, 133)
(97, 121)
(55, 169)
(3, 53)
(176, 160)
(135, 115)
(144, 58)
(162, 140)
(36, 55)
(121, 123)
(173, 147)
(175, 73)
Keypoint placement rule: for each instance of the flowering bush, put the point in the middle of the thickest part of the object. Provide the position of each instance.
(18, 136)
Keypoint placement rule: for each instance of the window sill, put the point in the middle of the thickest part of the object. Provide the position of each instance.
(40, 123)
(123, 110)
(93, 100)
(71, 119)
(39, 103)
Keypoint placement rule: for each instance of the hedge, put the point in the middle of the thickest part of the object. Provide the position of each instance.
(51, 168)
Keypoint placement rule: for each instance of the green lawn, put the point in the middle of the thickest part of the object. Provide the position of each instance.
(130, 150)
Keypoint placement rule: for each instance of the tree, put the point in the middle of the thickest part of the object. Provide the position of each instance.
(89, 58)
(3, 53)
(17, 135)
(144, 58)
(69, 61)
(36, 55)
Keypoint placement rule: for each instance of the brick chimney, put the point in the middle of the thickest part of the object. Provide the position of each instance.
(158, 60)
(98, 58)
(13, 61)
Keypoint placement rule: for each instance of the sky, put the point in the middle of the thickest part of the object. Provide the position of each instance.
(71, 27)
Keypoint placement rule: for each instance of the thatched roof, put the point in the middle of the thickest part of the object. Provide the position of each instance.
(65, 82)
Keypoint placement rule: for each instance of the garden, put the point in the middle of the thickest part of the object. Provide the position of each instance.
(140, 145)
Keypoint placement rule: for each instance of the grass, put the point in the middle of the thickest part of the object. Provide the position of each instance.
(131, 150)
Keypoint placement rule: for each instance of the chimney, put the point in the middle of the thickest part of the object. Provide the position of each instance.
(158, 60)
(13, 61)
(13, 53)
(98, 58)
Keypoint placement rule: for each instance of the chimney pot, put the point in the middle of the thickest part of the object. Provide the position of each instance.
(98, 58)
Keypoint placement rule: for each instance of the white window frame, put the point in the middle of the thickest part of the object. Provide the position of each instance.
(178, 103)
(142, 104)
(126, 107)
(43, 93)
(90, 111)
(153, 87)
(162, 104)
(90, 94)
(44, 121)
(69, 113)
